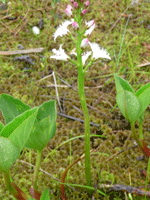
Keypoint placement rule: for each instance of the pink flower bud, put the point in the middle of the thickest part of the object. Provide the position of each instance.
(84, 43)
(83, 12)
(69, 7)
(87, 3)
(71, 1)
(75, 25)
(68, 10)
(76, 5)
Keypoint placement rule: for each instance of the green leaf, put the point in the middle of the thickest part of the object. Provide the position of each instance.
(45, 195)
(31, 199)
(8, 154)
(1, 126)
(122, 84)
(44, 128)
(129, 105)
(41, 134)
(143, 95)
(19, 128)
(47, 109)
(11, 107)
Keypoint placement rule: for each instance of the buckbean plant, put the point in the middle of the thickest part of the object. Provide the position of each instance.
(132, 106)
(84, 59)
(24, 127)
(34, 127)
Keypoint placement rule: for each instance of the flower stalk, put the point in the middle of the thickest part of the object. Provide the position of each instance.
(77, 11)
(86, 125)
(82, 97)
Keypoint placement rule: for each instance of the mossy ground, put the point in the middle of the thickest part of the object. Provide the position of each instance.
(123, 29)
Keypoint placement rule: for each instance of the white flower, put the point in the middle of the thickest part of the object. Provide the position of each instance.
(85, 56)
(36, 30)
(60, 54)
(90, 23)
(89, 31)
(99, 52)
(62, 29)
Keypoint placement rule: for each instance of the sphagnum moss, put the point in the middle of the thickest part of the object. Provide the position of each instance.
(137, 29)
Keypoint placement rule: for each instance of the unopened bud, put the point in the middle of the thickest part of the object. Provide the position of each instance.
(87, 4)
(68, 10)
(69, 7)
(76, 5)
(84, 43)
(83, 12)
(75, 25)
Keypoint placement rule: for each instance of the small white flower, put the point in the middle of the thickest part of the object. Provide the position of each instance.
(85, 57)
(60, 54)
(89, 31)
(62, 29)
(90, 23)
(99, 52)
(36, 30)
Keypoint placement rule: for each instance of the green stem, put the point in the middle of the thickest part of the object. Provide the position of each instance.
(136, 136)
(86, 125)
(83, 100)
(36, 171)
(73, 62)
(140, 120)
(141, 130)
(9, 185)
(13, 189)
(90, 63)
(148, 176)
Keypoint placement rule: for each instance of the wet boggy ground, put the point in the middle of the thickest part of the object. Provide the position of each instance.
(117, 159)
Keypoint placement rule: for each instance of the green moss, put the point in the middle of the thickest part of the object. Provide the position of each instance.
(27, 87)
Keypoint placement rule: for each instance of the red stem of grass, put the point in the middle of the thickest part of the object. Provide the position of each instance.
(63, 196)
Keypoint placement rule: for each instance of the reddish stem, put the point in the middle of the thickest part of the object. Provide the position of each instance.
(63, 196)
(35, 194)
(144, 173)
(145, 149)
(20, 195)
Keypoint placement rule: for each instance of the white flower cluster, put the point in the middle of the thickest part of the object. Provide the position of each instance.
(97, 51)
